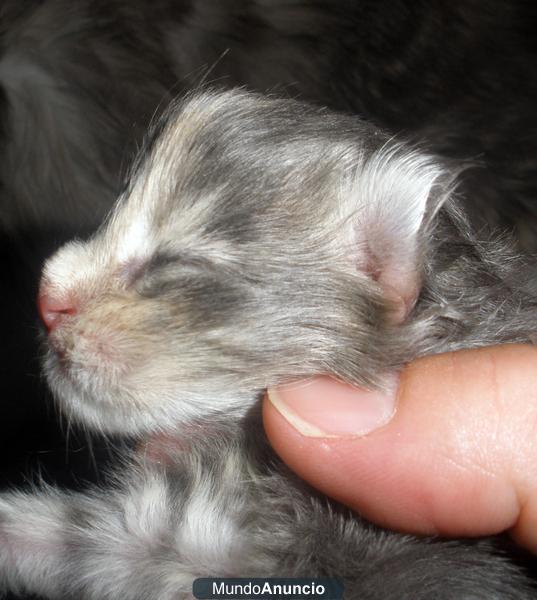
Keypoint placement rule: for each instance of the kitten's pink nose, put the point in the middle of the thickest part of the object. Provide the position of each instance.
(52, 310)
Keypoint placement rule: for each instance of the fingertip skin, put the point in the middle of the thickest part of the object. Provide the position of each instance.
(459, 456)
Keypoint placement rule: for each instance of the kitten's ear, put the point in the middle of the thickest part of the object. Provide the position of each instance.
(396, 195)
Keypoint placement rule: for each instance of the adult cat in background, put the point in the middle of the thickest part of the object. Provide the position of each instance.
(258, 240)
(80, 81)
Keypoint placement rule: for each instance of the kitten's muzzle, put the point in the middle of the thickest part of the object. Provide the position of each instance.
(53, 309)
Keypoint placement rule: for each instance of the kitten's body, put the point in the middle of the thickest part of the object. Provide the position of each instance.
(226, 507)
(188, 301)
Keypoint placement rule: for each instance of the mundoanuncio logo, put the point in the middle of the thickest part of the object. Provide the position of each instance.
(324, 588)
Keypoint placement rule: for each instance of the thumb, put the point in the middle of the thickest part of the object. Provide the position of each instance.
(452, 451)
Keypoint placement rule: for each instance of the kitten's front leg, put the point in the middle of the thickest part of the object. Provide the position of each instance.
(32, 542)
(101, 545)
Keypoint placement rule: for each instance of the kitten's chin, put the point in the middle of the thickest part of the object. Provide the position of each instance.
(85, 399)
(99, 409)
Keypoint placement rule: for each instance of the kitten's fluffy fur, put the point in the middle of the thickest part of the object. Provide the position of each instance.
(257, 240)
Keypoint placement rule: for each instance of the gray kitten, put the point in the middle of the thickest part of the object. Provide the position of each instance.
(258, 241)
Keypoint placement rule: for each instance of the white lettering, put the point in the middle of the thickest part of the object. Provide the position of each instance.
(218, 588)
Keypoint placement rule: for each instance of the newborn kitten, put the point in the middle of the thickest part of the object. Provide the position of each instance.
(258, 241)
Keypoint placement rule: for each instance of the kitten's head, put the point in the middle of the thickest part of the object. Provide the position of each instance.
(258, 240)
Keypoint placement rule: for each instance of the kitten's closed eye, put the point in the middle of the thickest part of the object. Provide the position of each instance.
(167, 266)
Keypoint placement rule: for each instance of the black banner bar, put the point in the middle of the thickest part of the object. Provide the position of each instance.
(285, 588)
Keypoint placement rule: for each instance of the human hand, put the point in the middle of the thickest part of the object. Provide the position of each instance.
(452, 452)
